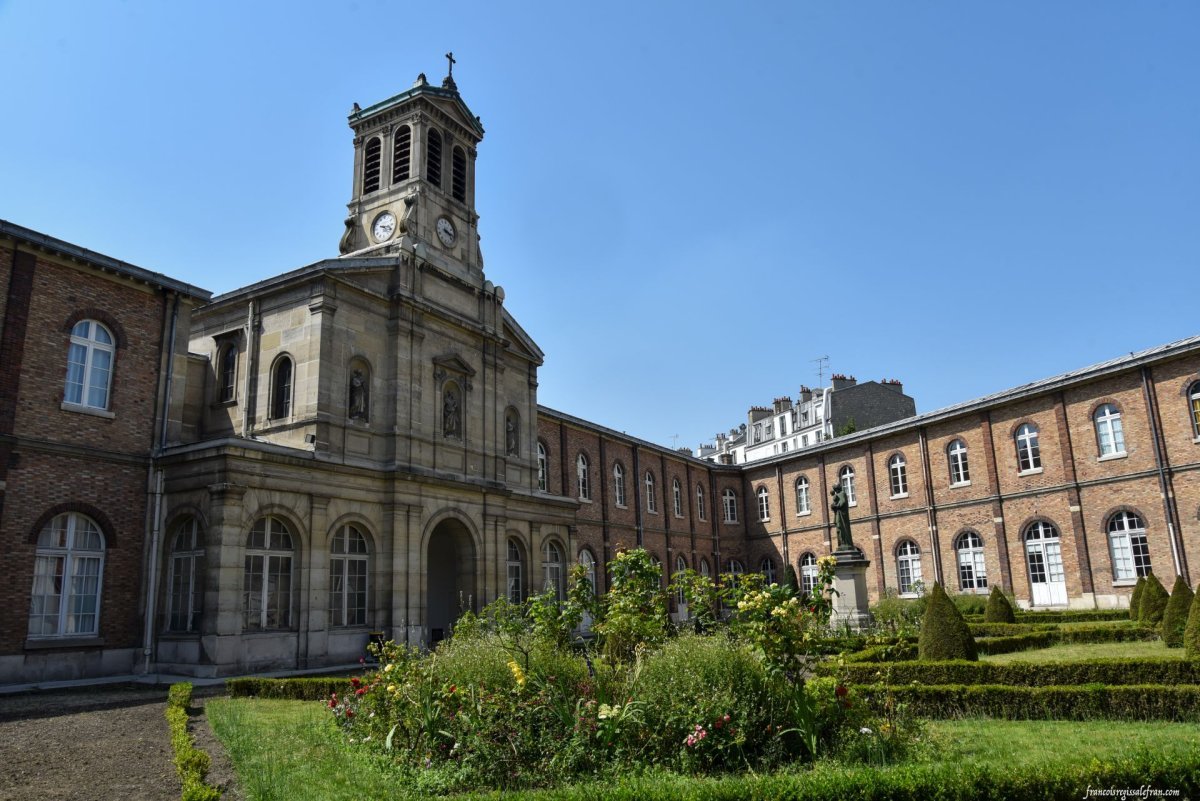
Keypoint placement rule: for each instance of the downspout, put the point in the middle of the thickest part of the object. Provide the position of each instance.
(1163, 487)
(250, 409)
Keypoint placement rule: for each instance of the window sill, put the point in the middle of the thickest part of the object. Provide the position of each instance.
(178, 635)
(584, 500)
(900, 496)
(804, 514)
(1124, 582)
(652, 512)
(62, 643)
(81, 409)
(1032, 472)
(960, 484)
(223, 404)
(621, 505)
(730, 522)
(1110, 456)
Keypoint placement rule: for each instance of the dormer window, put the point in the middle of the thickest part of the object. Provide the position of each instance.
(458, 174)
(402, 154)
(433, 157)
(374, 151)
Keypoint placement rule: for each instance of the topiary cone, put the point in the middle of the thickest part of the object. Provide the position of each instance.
(1135, 600)
(1191, 632)
(1153, 602)
(999, 610)
(944, 633)
(1175, 617)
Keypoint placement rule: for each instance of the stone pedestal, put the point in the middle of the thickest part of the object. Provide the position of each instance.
(850, 582)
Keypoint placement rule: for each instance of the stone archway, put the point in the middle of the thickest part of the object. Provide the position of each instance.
(450, 587)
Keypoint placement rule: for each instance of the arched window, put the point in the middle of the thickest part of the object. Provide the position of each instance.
(185, 596)
(704, 569)
(1194, 407)
(680, 567)
(589, 568)
(972, 570)
(677, 497)
(956, 454)
(348, 571)
(458, 174)
(735, 568)
(651, 494)
(898, 474)
(582, 477)
(700, 502)
(281, 389)
(619, 484)
(729, 501)
(846, 477)
(1110, 437)
(267, 578)
(1043, 554)
(808, 573)
(764, 504)
(227, 373)
(89, 365)
(1029, 455)
(542, 466)
(371, 160)
(67, 577)
(1130, 552)
(908, 567)
(515, 573)
(433, 157)
(402, 154)
(552, 569)
(767, 568)
(803, 506)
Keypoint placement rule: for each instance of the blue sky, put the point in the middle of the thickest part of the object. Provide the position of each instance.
(686, 203)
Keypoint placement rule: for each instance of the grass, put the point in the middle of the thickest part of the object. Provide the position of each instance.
(289, 750)
(1070, 652)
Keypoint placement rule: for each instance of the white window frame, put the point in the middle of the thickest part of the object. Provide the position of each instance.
(91, 360)
(543, 467)
(846, 478)
(700, 501)
(552, 569)
(651, 491)
(898, 476)
(908, 567)
(677, 496)
(1128, 546)
(1194, 408)
(803, 501)
(767, 568)
(68, 578)
(264, 609)
(349, 578)
(515, 573)
(619, 485)
(589, 566)
(227, 359)
(729, 504)
(1029, 451)
(808, 572)
(184, 600)
(960, 467)
(582, 477)
(680, 566)
(1110, 433)
(972, 566)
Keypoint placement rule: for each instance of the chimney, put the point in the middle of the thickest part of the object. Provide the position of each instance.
(805, 394)
(843, 381)
(782, 405)
(893, 384)
(757, 413)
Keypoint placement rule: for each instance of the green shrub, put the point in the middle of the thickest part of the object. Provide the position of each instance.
(1167, 671)
(1047, 638)
(1191, 632)
(999, 610)
(1090, 702)
(191, 763)
(1135, 600)
(1153, 602)
(969, 603)
(944, 634)
(895, 614)
(1176, 614)
(893, 652)
(1009, 629)
(1063, 616)
(298, 689)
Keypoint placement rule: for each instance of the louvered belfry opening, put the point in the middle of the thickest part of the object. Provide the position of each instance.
(433, 157)
(458, 176)
(402, 154)
(371, 165)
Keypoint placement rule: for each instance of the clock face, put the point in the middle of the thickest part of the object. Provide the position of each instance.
(445, 231)
(384, 227)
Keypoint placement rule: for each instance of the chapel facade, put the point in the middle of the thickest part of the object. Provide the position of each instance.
(269, 478)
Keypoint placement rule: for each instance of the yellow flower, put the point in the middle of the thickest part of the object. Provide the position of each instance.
(518, 674)
(391, 688)
(388, 668)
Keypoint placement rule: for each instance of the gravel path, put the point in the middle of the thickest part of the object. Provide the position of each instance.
(94, 744)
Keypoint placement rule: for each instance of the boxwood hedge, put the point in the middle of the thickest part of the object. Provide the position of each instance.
(1024, 674)
(1087, 702)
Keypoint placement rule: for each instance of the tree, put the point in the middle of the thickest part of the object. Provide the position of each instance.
(849, 428)
(1175, 617)
(1153, 602)
(1135, 600)
(1191, 632)
(999, 610)
(944, 633)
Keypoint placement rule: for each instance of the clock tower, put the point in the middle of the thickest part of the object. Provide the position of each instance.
(414, 177)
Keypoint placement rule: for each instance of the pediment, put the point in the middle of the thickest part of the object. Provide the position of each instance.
(517, 341)
(453, 363)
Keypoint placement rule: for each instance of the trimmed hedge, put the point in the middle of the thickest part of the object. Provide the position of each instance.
(1153, 603)
(998, 610)
(1191, 633)
(1024, 674)
(306, 688)
(191, 763)
(1176, 615)
(1009, 629)
(1092, 702)
(1045, 639)
(1064, 616)
(944, 635)
(1135, 599)
(893, 652)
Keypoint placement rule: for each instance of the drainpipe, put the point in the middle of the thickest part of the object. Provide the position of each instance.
(1160, 459)
(152, 577)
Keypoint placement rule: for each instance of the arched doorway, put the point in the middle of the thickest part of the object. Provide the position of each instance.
(449, 577)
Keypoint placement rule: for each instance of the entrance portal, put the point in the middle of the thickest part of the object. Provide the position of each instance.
(449, 577)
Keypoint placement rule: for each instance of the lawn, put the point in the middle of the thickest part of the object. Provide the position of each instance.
(1071, 652)
(288, 750)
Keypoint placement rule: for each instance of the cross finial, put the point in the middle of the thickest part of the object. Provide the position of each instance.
(450, 58)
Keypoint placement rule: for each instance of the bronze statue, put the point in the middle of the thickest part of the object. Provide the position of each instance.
(841, 518)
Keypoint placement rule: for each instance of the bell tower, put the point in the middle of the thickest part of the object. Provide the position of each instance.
(414, 175)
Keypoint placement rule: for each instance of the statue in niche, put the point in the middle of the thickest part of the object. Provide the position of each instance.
(451, 417)
(841, 518)
(510, 435)
(358, 395)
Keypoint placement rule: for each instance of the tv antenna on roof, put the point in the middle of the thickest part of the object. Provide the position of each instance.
(822, 365)
(675, 441)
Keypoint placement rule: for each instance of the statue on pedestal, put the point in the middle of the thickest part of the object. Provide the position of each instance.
(841, 518)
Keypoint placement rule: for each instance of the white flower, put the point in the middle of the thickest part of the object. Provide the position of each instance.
(865, 730)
